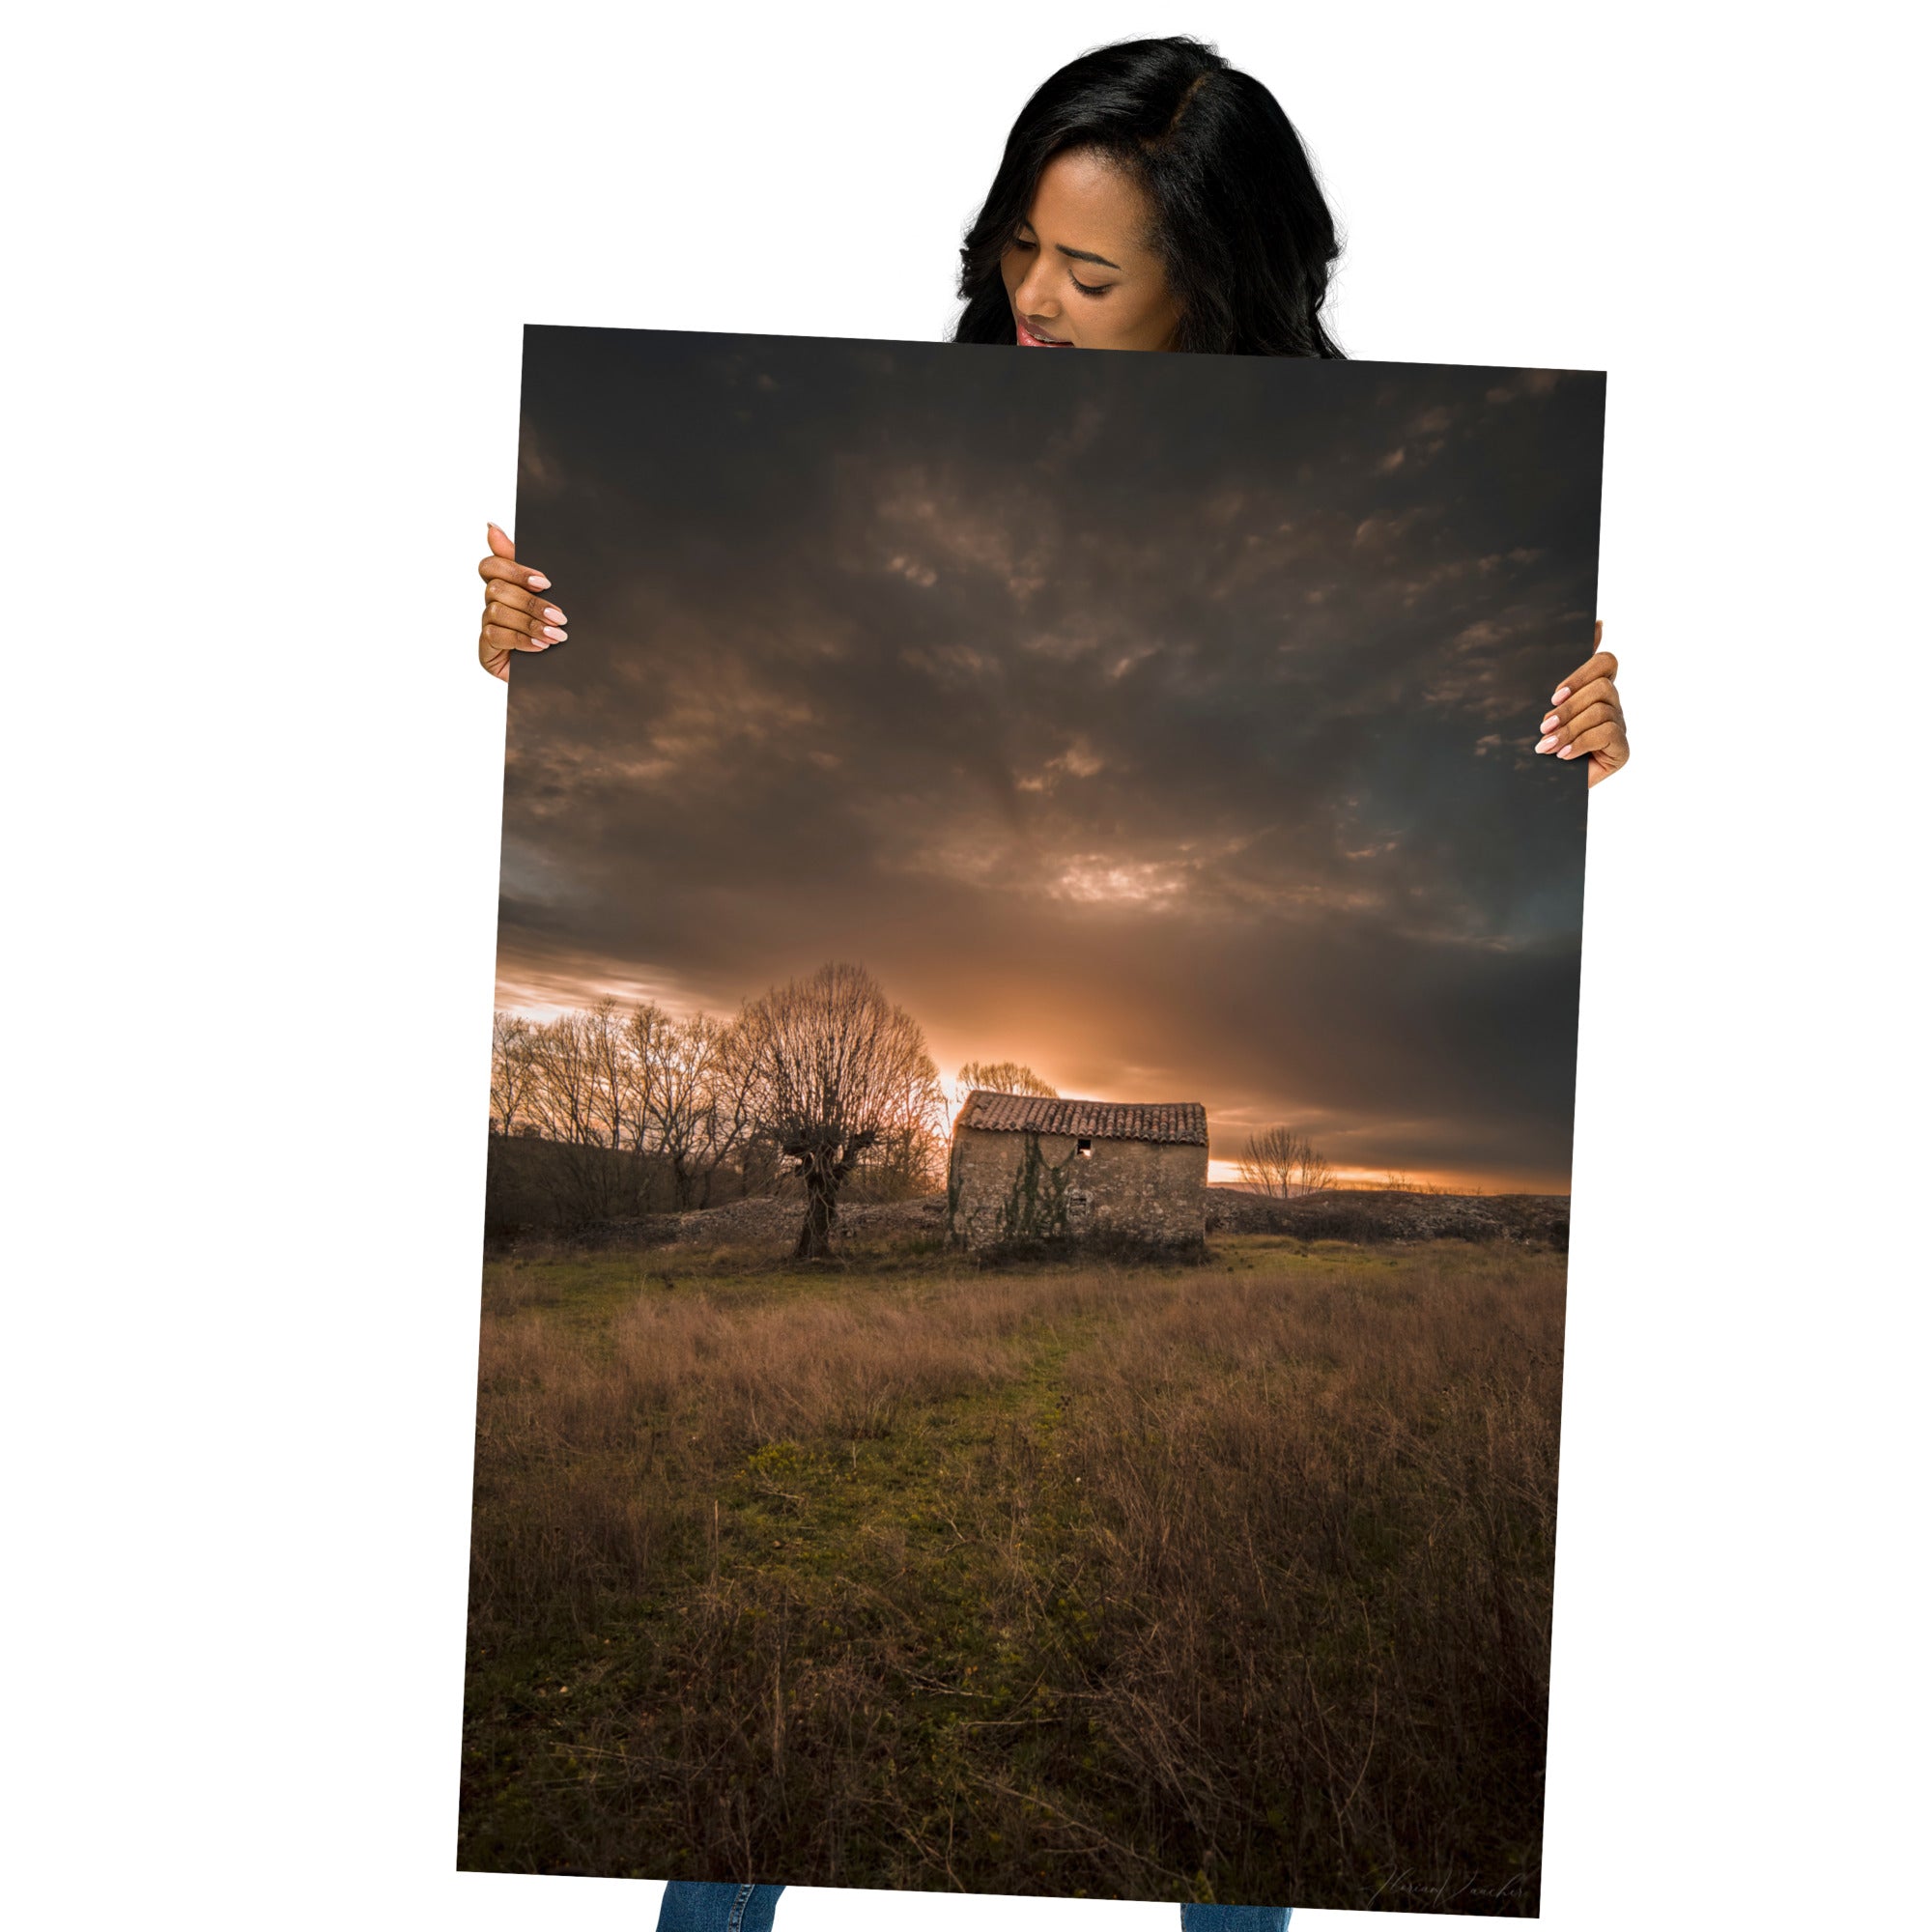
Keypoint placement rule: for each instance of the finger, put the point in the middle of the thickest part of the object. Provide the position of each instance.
(1602, 665)
(506, 596)
(500, 570)
(499, 542)
(1599, 738)
(496, 617)
(496, 663)
(1608, 760)
(1585, 721)
(500, 637)
(1598, 691)
(503, 617)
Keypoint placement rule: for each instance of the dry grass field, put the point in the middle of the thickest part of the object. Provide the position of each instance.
(1225, 1582)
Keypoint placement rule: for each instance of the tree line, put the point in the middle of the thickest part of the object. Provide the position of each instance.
(823, 1080)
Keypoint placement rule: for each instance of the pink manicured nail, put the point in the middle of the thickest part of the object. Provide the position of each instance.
(1549, 723)
(556, 616)
(1548, 742)
(537, 581)
(539, 645)
(1557, 696)
(555, 635)
(1568, 752)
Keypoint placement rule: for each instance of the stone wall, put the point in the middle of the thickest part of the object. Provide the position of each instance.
(1026, 1189)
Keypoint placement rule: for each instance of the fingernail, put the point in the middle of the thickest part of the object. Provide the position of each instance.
(1548, 742)
(1549, 723)
(1568, 752)
(1557, 696)
(556, 616)
(539, 645)
(539, 582)
(555, 635)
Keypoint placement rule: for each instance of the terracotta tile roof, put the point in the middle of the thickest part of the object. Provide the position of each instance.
(1182, 1120)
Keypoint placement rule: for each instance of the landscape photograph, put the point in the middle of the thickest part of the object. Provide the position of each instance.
(1030, 1120)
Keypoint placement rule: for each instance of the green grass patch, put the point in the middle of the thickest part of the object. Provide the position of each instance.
(1225, 1582)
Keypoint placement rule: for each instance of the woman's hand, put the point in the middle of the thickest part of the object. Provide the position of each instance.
(1586, 716)
(515, 618)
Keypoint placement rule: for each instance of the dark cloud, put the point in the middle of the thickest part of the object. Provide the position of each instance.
(1163, 722)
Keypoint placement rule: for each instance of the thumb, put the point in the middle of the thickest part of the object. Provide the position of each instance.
(500, 545)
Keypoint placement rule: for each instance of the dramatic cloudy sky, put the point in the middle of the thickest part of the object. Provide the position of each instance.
(1162, 722)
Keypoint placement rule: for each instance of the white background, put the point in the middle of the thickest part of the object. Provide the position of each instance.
(269, 268)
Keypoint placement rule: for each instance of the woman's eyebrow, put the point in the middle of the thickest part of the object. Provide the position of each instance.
(1086, 255)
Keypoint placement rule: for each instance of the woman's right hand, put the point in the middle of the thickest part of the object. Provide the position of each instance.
(515, 618)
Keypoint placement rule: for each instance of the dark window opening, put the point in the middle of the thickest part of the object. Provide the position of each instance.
(1086, 1146)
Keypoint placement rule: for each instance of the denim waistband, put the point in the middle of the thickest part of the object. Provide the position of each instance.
(692, 1907)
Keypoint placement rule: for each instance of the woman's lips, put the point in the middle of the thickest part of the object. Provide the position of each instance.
(1031, 339)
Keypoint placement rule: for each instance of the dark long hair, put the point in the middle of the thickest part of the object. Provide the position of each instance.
(1242, 229)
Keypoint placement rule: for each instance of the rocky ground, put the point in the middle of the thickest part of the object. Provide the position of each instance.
(1376, 1214)
(768, 1221)
(1338, 1214)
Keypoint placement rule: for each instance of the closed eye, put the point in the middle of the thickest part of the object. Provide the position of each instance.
(1095, 289)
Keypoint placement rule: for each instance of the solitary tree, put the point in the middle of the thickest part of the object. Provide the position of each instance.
(1282, 1163)
(830, 1065)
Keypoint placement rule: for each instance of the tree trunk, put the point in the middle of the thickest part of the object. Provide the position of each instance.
(825, 1160)
(815, 1237)
(822, 1210)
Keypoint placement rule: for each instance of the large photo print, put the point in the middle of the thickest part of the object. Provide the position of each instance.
(1031, 1106)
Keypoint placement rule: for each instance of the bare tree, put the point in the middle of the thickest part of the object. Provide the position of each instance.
(1282, 1163)
(831, 1066)
(587, 1093)
(511, 1070)
(909, 1156)
(1005, 1076)
(646, 1044)
(731, 1128)
(684, 1104)
(561, 1097)
(611, 1085)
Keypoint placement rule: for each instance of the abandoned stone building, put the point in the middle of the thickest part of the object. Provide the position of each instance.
(1026, 1171)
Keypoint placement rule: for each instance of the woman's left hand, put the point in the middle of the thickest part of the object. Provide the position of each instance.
(1586, 716)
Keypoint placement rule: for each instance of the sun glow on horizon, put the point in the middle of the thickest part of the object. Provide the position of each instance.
(1228, 1173)
(538, 997)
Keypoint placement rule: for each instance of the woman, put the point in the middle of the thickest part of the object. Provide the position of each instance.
(1151, 197)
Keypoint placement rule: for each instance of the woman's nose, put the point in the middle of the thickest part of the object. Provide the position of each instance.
(1034, 296)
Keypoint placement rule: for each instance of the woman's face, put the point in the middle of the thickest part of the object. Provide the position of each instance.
(1079, 270)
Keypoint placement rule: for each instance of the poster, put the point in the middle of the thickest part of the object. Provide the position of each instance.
(1029, 1124)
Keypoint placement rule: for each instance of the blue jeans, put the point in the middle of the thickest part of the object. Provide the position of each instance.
(690, 1907)
(717, 1908)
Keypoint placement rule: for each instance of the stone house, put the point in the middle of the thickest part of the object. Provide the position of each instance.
(1026, 1171)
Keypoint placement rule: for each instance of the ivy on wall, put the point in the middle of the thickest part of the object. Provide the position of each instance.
(1035, 1208)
